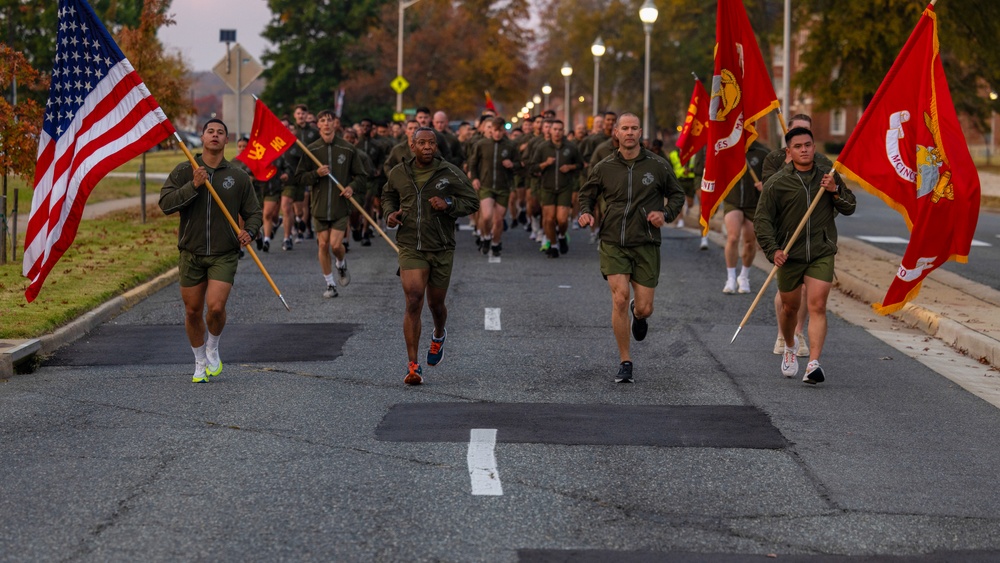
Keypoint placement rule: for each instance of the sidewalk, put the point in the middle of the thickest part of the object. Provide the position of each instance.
(962, 313)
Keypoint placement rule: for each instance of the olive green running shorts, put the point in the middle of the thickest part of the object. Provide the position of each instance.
(195, 269)
(320, 225)
(439, 263)
(790, 275)
(748, 212)
(501, 197)
(562, 198)
(642, 263)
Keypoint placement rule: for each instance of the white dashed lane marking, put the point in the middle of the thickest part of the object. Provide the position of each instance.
(483, 462)
(492, 319)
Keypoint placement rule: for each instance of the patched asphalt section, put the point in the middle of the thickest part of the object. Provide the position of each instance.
(114, 345)
(602, 555)
(696, 426)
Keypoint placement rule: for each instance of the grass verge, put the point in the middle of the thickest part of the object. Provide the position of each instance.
(109, 256)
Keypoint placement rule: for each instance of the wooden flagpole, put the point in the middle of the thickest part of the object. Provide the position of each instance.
(371, 221)
(232, 222)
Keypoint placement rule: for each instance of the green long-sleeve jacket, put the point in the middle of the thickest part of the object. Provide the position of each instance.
(630, 192)
(486, 163)
(204, 230)
(783, 202)
(423, 227)
(551, 178)
(345, 165)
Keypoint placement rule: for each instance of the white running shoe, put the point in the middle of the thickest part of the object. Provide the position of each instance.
(802, 345)
(214, 365)
(680, 223)
(744, 284)
(730, 286)
(779, 345)
(704, 243)
(814, 373)
(789, 363)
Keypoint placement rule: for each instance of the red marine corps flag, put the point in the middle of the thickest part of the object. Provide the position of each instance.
(908, 149)
(742, 93)
(694, 134)
(269, 139)
(99, 115)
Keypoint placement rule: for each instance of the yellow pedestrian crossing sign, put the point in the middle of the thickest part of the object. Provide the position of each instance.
(399, 84)
(399, 117)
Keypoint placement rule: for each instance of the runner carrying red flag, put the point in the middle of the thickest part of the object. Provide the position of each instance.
(908, 149)
(742, 93)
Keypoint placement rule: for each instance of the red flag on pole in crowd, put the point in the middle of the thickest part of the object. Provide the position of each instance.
(99, 115)
(694, 134)
(742, 93)
(908, 149)
(269, 139)
(489, 101)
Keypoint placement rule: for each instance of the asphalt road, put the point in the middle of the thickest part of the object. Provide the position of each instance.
(711, 455)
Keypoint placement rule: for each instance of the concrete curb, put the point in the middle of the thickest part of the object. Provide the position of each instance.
(19, 351)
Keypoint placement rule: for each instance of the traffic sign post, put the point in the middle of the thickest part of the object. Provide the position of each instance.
(399, 84)
(247, 70)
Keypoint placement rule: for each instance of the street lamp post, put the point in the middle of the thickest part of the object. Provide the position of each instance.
(546, 90)
(403, 5)
(647, 13)
(567, 72)
(597, 49)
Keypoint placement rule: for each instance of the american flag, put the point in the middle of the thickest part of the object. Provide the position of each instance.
(99, 115)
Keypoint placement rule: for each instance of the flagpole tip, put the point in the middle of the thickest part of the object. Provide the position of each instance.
(738, 329)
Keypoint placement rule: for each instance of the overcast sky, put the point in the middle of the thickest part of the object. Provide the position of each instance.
(196, 33)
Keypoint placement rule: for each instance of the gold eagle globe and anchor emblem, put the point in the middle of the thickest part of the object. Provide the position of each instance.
(726, 94)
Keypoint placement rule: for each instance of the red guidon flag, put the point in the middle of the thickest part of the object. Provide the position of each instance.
(489, 101)
(694, 134)
(99, 115)
(269, 139)
(742, 93)
(908, 149)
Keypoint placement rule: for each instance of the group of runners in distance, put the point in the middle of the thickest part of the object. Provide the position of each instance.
(420, 178)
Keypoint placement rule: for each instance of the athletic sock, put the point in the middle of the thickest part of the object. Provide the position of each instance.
(341, 263)
(199, 354)
(745, 272)
(731, 272)
(329, 280)
(213, 341)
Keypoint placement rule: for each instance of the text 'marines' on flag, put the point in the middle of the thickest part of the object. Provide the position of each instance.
(694, 134)
(269, 139)
(98, 116)
(742, 93)
(908, 149)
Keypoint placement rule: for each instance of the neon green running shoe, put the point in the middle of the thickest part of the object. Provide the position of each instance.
(200, 376)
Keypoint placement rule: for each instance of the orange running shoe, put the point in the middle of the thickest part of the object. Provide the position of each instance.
(413, 376)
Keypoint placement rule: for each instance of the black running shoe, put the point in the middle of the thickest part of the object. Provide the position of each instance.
(563, 245)
(624, 373)
(553, 252)
(266, 247)
(287, 245)
(505, 225)
(356, 234)
(260, 242)
(485, 246)
(242, 253)
(522, 217)
(495, 250)
(366, 241)
(639, 326)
